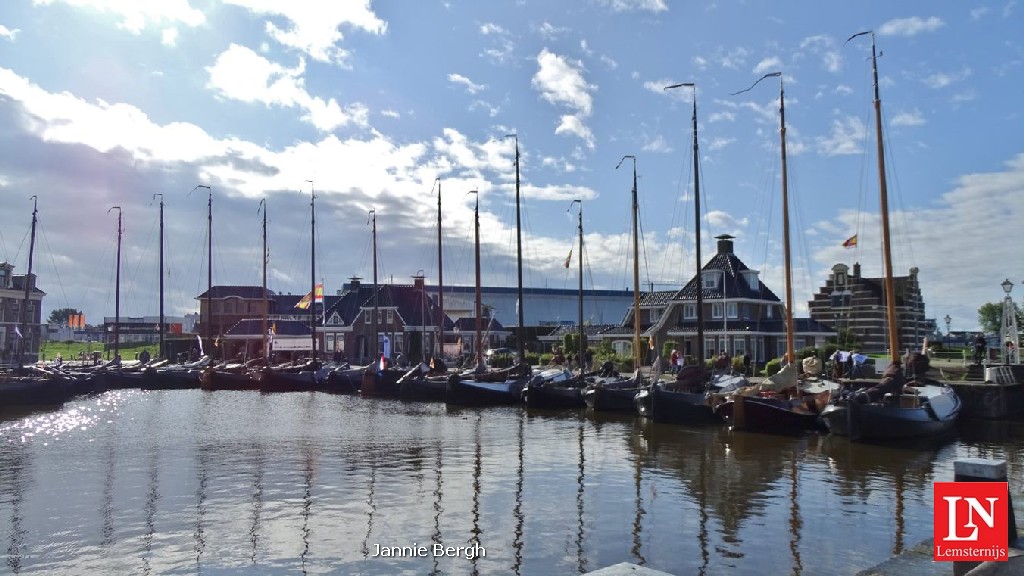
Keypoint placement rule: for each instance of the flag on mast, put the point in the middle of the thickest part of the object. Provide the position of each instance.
(568, 258)
(850, 242)
(304, 302)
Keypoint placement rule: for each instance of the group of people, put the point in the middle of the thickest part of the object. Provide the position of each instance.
(573, 360)
(847, 364)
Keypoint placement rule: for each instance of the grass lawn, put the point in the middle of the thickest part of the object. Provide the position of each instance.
(70, 351)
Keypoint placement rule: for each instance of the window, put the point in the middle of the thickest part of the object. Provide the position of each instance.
(780, 347)
(710, 280)
(367, 316)
(768, 311)
(732, 310)
(654, 314)
(391, 315)
(739, 346)
(716, 310)
(689, 311)
(709, 348)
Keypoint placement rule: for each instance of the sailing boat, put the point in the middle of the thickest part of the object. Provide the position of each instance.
(379, 380)
(764, 407)
(238, 376)
(113, 375)
(687, 400)
(611, 393)
(302, 379)
(562, 390)
(891, 410)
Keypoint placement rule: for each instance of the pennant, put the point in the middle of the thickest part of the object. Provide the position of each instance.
(200, 340)
(850, 242)
(383, 363)
(568, 258)
(18, 332)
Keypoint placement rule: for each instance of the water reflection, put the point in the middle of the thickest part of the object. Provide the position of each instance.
(257, 499)
(580, 558)
(517, 510)
(14, 473)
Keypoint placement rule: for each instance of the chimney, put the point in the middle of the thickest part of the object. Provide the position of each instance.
(856, 270)
(353, 284)
(417, 281)
(724, 243)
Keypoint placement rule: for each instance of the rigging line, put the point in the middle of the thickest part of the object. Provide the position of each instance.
(133, 275)
(53, 263)
(20, 246)
(903, 230)
(3, 246)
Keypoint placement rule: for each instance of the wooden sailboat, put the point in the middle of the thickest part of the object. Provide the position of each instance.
(784, 403)
(380, 379)
(563, 390)
(894, 409)
(611, 393)
(113, 375)
(672, 402)
(303, 379)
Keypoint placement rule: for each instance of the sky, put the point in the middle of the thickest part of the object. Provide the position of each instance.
(375, 105)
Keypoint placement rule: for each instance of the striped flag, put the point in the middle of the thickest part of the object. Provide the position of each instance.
(304, 302)
(568, 258)
(850, 242)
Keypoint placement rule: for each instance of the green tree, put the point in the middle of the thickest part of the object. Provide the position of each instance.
(60, 316)
(990, 316)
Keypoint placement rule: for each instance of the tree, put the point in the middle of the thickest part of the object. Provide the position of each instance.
(990, 316)
(61, 315)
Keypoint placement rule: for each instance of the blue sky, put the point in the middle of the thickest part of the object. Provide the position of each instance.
(108, 102)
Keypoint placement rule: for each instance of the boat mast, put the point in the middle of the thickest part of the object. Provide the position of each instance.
(263, 324)
(117, 291)
(636, 271)
(521, 333)
(373, 235)
(209, 264)
(160, 350)
(479, 343)
(883, 193)
(440, 274)
(696, 224)
(28, 279)
(583, 344)
(312, 266)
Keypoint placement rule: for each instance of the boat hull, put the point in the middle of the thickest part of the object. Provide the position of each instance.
(170, 379)
(423, 389)
(553, 397)
(220, 380)
(690, 408)
(610, 399)
(879, 421)
(475, 393)
(276, 381)
(756, 414)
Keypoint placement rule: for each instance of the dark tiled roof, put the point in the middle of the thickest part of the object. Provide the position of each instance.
(734, 285)
(659, 298)
(247, 292)
(489, 324)
(18, 283)
(250, 326)
(777, 326)
(588, 329)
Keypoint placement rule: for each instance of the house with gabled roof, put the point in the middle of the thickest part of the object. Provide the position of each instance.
(741, 314)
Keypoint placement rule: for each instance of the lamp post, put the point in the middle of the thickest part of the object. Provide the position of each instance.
(1008, 332)
(948, 320)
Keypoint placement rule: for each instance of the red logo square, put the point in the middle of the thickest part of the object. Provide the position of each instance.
(971, 521)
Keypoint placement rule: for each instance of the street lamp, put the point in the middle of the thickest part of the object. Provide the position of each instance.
(948, 320)
(1008, 330)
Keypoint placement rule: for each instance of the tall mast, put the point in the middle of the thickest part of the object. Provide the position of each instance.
(696, 224)
(883, 193)
(636, 271)
(790, 343)
(582, 347)
(117, 291)
(161, 351)
(373, 235)
(440, 274)
(312, 266)
(28, 278)
(263, 324)
(521, 333)
(478, 345)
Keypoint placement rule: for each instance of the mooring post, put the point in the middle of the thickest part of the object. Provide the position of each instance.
(983, 470)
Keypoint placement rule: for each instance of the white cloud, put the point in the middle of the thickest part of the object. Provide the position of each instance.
(169, 37)
(824, 47)
(489, 28)
(659, 144)
(609, 62)
(633, 5)
(314, 27)
(943, 79)
(910, 26)
(843, 89)
(243, 75)
(735, 58)
(846, 138)
(561, 83)
(136, 15)
(549, 31)
(466, 83)
(978, 13)
(700, 62)
(8, 33)
(770, 64)
(390, 114)
(487, 107)
(719, 143)
(721, 117)
(913, 118)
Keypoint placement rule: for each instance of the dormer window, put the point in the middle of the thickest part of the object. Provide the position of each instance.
(689, 311)
(710, 280)
(717, 310)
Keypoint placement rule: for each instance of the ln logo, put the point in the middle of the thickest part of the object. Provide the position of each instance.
(971, 521)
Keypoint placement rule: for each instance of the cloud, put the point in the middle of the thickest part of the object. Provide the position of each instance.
(466, 83)
(609, 62)
(8, 33)
(561, 83)
(721, 117)
(910, 26)
(241, 74)
(719, 143)
(549, 31)
(314, 27)
(390, 114)
(136, 16)
(908, 119)
(658, 144)
(771, 64)
(978, 13)
(169, 37)
(635, 5)
(943, 79)
(847, 135)
(489, 28)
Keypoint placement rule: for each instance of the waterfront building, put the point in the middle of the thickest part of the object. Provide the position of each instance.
(16, 329)
(856, 304)
(741, 315)
(143, 329)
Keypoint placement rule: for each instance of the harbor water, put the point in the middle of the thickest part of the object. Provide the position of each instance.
(194, 482)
